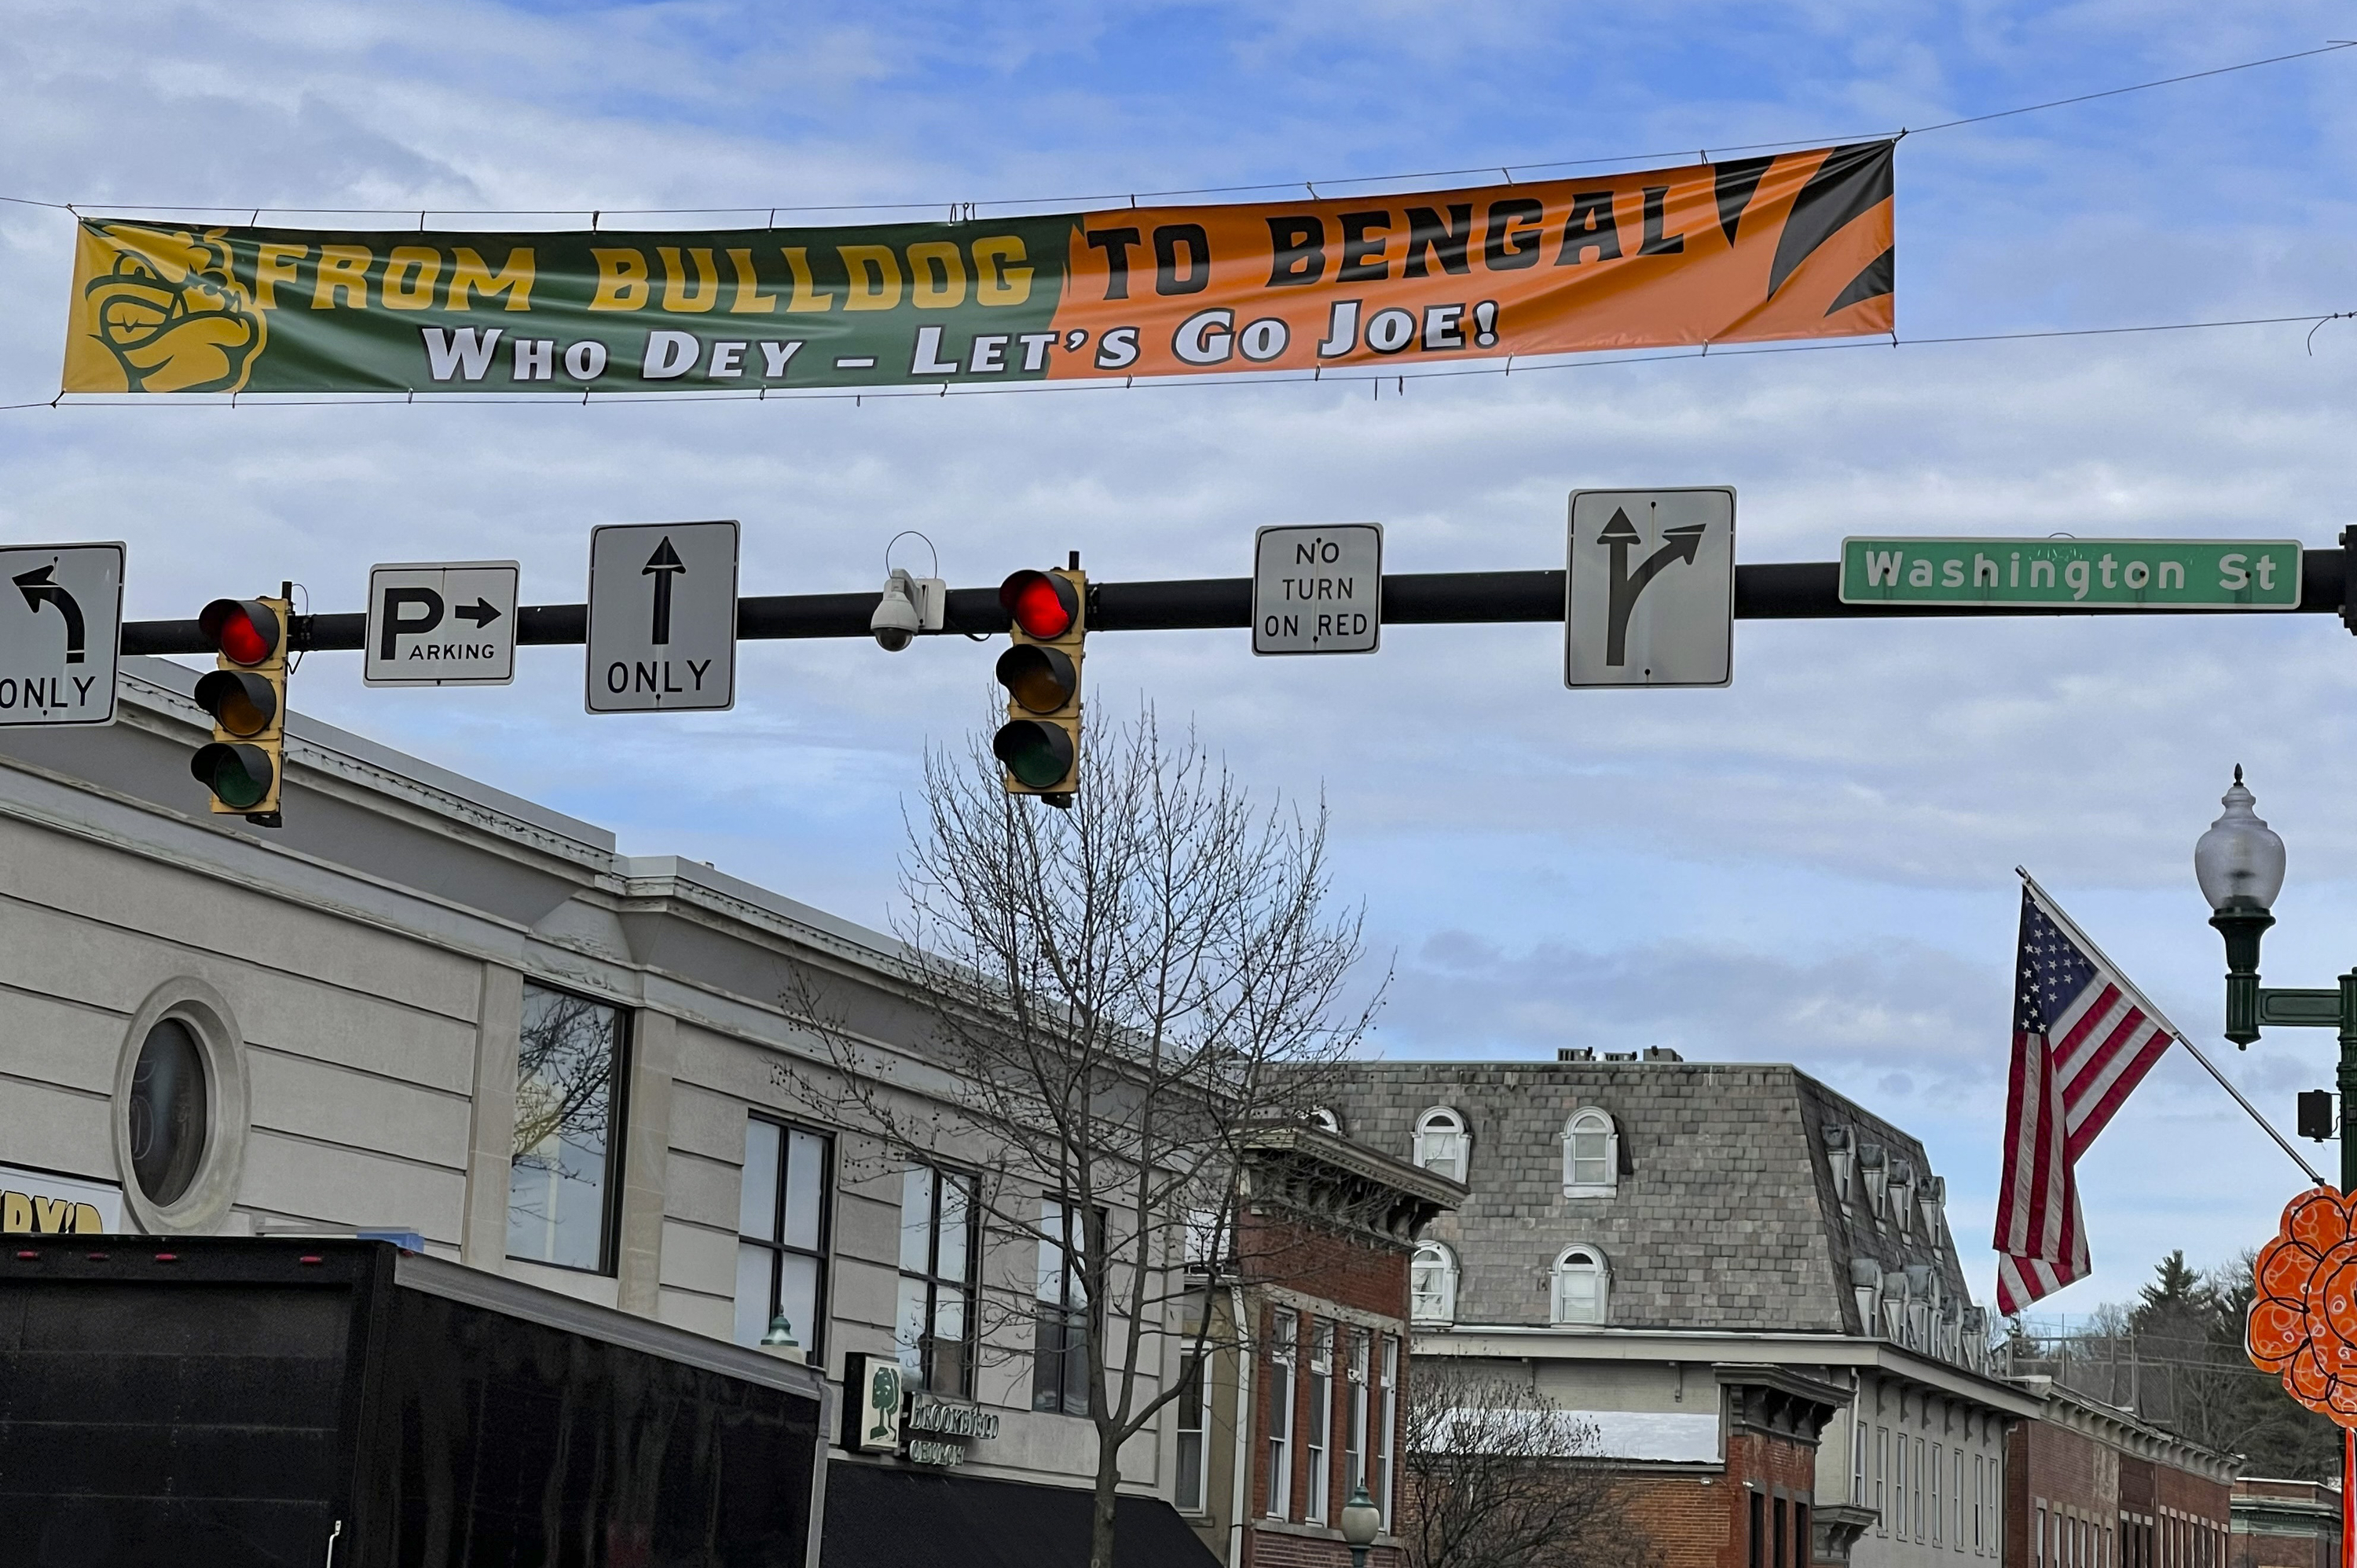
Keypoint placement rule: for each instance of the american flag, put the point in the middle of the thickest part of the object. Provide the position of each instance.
(2082, 1038)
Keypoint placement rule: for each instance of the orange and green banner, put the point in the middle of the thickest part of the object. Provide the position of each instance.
(1797, 245)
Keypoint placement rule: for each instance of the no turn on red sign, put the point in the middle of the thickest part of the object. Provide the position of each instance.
(1317, 589)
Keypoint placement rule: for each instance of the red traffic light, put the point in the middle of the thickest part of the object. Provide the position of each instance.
(1041, 679)
(241, 777)
(241, 704)
(1043, 606)
(1039, 754)
(244, 631)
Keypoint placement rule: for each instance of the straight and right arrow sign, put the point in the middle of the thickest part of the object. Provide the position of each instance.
(1649, 588)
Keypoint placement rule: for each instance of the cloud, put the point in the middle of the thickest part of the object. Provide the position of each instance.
(1813, 865)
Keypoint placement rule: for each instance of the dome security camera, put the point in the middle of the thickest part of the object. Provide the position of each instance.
(908, 605)
(896, 622)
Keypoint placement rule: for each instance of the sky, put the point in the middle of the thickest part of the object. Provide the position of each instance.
(1814, 865)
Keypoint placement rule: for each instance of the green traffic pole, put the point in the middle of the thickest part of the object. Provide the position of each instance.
(2348, 1078)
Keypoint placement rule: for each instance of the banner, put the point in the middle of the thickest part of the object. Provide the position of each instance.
(1797, 245)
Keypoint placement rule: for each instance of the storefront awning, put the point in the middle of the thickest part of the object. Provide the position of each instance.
(881, 1518)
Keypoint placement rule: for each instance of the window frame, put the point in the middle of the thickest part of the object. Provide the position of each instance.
(1357, 1371)
(1284, 1345)
(813, 1335)
(1445, 1261)
(1590, 1121)
(1070, 1310)
(1917, 1502)
(1194, 1401)
(213, 1191)
(1597, 1270)
(1385, 1438)
(618, 1118)
(1452, 1142)
(1318, 1442)
(968, 1288)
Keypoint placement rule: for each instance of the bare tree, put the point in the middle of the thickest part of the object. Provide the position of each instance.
(1120, 994)
(1499, 1477)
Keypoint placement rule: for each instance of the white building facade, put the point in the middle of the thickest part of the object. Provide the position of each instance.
(425, 1006)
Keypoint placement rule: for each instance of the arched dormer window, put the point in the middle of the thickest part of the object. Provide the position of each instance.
(1432, 1285)
(1443, 1145)
(1320, 1116)
(1591, 1155)
(1582, 1285)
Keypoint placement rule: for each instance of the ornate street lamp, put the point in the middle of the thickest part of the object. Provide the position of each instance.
(2240, 864)
(1361, 1519)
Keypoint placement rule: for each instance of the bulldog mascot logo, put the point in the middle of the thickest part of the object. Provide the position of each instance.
(162, 311)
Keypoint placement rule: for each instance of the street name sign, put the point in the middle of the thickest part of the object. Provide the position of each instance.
(61, 629)
(2073, 573)
(1649, 589)
(663, 617)
(450, 623)
(1317, 589)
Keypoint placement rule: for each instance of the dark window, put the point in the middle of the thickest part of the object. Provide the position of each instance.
(1758, 1544)
(168, 1119)
(563, 1198)
(1801, 1547)
(1779, 1533)
(934, 1333)
(781, 1234)
(1059, 1362)
(1194, 1435)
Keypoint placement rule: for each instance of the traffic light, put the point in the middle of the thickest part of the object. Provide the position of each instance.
(1039, 744)
(247, 698)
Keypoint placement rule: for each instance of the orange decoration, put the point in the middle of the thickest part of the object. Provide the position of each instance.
(2303, 1323)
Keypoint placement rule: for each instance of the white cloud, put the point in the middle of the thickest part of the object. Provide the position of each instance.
(1812, 864)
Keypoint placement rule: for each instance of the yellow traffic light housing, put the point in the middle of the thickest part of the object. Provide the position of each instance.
(246, 695)
(1039, 744)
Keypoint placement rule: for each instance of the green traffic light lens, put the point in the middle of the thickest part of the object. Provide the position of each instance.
(236, 787)
(1041, 679)
(238, 776)
(1039, 755)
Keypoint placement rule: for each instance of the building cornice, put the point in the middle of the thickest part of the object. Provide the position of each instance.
(1517, 1342)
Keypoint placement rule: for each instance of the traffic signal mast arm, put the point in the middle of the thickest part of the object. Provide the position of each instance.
(1795, 590)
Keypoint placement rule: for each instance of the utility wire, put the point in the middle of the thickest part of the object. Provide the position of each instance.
(1156, 383)
(1133, 197)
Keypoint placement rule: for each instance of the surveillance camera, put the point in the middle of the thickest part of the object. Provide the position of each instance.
(896, 621)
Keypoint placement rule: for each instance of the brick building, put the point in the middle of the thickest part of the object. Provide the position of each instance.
(2091, 1486)
(2285, 1524)
(1307, 1337)
(1741, 1281)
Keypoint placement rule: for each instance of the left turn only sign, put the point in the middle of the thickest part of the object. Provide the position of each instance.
(60, 627)
(446, 623)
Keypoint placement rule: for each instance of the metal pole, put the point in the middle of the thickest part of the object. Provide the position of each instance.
(1788, 590)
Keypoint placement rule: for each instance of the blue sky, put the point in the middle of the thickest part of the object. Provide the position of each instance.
(1813, 865)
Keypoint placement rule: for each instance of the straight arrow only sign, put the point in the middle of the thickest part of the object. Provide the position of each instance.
(662, 617)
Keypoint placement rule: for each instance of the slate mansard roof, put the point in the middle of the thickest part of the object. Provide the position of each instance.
(1725, 1217)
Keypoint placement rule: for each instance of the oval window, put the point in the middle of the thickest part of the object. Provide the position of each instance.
(167, 1112)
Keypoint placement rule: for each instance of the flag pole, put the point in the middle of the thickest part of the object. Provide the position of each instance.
(2054, 912)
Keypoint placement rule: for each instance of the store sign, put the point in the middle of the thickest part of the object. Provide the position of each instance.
(871, 1404)
(35, 1203)
(948, 1425)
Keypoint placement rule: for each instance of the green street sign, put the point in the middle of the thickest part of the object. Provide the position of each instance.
(2073, 573)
